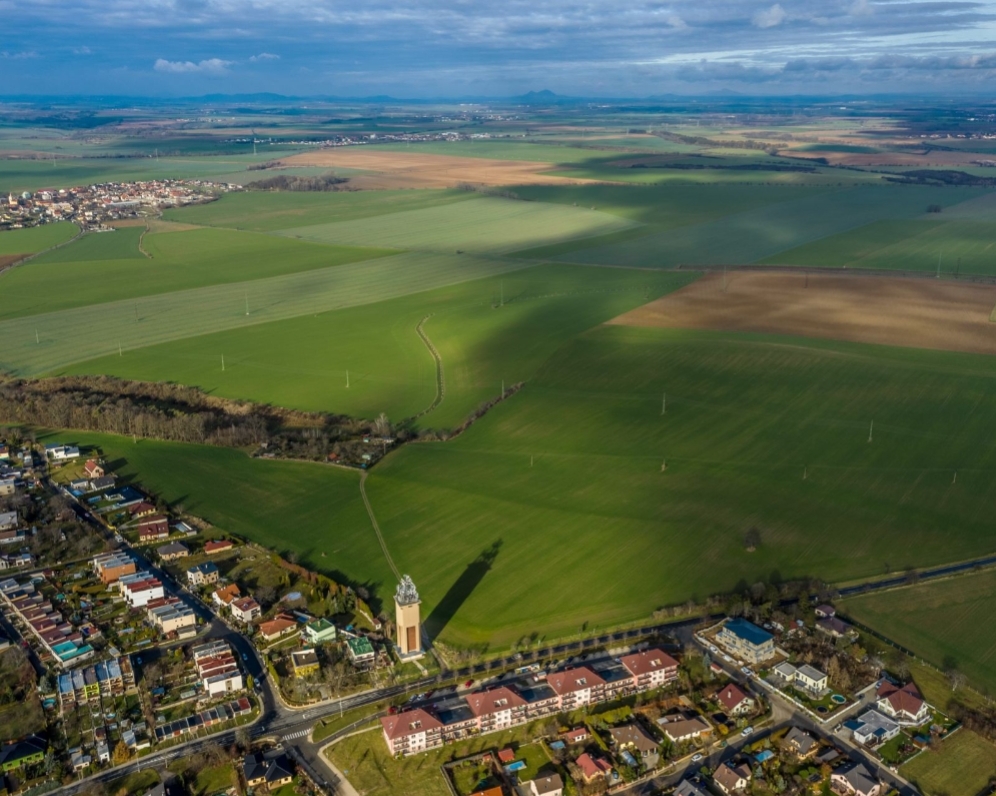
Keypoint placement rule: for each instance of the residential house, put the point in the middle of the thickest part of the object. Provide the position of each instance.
(577, 687)
(8, 520)
(361, 651)
(304, 663)
(746, 641)
(680, 729)
(141, 509)
(16, 561)
(217, 668)
(853, 779)
(806, 678)
(272, 769)
(577, 735)
(319, 631)
(731, 778)
(872, 728)
(497, 708)
(634, 739)
(62, 453)
(224, 595)
(412, 731)
(203, 574)
(279, 626)
(173, 551)
(140, 588)
(650, 669)
(825, 611)
(112, 566)
(549, 785)
(593, 767)
(172, 615)
(800, 743)
(93, 469)
(18, 754)
(153, 529)
(217, 546)
(904, 704)
(734, 701)
(101, 484)
(245, 609)
(8, 485)
(689, 788)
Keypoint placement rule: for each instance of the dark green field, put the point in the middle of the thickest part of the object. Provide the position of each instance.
(36, 239)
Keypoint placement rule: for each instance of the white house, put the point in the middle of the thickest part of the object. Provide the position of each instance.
(874, 728)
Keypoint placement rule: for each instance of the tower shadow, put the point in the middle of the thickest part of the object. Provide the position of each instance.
(461, 589)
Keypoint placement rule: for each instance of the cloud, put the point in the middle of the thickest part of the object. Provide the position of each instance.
(860, 8)
(264, 57)
(769, 17)
(82, 51)
(19, 56)
(676, 22)
(211, 66)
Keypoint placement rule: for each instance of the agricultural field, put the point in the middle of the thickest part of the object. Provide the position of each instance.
(121, 244)
(105, 267)
(481, 225)
(755, 234)
(289, 363)
(264, 211)
(943, 622)
(766, 432)
(36, 239)
(962, 766)
(259, 499)
(942, 247)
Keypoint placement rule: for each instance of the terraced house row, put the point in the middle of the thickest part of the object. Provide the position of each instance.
(58, 637)
(495, 709)
(109, 678)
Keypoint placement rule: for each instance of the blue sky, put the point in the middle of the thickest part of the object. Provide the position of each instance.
(418, 48)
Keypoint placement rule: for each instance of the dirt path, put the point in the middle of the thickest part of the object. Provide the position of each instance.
(376, 527)
(440, 379)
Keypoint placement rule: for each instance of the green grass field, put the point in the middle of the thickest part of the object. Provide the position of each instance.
(197, 258)
(303, 362)
(963, 247)
(312, 510)
(482, 224)
(36, 239)
(566, 476)
(121, 244)
(943, 622)
(265, 212)
(962, 766)
(753, 235)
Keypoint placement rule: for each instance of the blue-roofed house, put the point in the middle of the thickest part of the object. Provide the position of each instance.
(746, 641)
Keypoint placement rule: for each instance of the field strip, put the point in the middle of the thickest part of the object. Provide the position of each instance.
(376, 527)
(42, 343)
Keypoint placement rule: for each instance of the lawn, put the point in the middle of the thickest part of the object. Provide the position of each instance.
(962, 766)
(763, 232)
(944, 622)
(483, 225)
(36, 239)
(963, 247)
(263, 211)
(369, 767)
(121, 244)
(575, 525)
(54, 340)
(303, 362)
(138, 782)
(214, 779)
(106, 272)
(312, 510)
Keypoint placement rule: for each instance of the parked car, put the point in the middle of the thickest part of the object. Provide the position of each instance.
(392, 709)
(468, 684)
(696, 758)
(747, 731)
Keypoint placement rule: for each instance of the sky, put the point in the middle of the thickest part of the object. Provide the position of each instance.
(458, 48)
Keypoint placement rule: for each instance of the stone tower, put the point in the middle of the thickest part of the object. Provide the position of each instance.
(408, 620)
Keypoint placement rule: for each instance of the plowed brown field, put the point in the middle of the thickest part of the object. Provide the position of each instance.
(420, 170)
(917, 313)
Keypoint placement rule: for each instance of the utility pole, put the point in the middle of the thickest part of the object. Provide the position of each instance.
(37, 340)
(347, 379)
(664, 404)
(247, 302)
(870, 429)
(223, 363)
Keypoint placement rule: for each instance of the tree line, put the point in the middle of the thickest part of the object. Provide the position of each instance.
(284, 182)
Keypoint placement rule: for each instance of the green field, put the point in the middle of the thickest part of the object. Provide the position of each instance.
(121, 244)
(36, 239)
(483, 224)
(567, 477)
(752, 235)
(67, 278)
(962, 766)
(262, 211)
(963, 247)
(302, 362)
(944, 622)
(260, 499)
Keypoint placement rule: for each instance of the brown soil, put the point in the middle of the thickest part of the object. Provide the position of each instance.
(912, 159)
(916, 313)
(9, 259)
(420, 170)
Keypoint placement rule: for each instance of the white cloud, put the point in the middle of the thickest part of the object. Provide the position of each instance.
(860, 8)
(676, 22)
(769, 17)
(82, 51)
(264, 57)
(19, 56)
(211, 66)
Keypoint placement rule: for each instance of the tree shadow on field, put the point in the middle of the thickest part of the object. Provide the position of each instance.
(461, 589)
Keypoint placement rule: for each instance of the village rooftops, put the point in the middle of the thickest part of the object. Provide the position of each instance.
(749, 632)
(409, 722)
(592, 767)
(572, 680)
(731, 696)
(648, 662)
